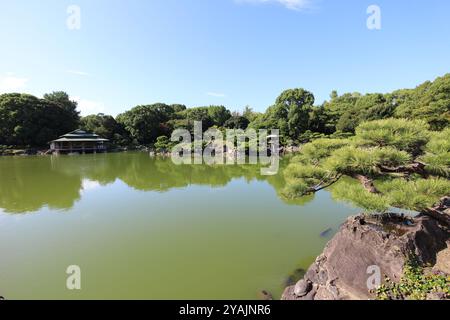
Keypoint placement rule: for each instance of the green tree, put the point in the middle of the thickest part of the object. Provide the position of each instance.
(429, 101)
(365, 108)
(163, 144)
(199, 114)
(334, 109)
(147, 122)
(219, 115)
(296, 105)
(105, 126)
(29, 121)
(62, 99)
(249, 114)
(290, 114)
(388, 163)
(237, 122)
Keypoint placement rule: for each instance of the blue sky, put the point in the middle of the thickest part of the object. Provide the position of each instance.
(230, 52)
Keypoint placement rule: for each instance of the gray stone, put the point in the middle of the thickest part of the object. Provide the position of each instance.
(341, 271)
(302, 288)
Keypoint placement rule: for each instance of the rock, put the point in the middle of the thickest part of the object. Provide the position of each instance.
(291, 149)
(19, 152)
(342, 271)
(443, 262)
(302, 288)
(436, 296)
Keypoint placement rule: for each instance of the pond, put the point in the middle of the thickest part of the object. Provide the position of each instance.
(143, 228)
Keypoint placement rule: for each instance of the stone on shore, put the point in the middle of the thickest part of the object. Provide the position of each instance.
(342, 271)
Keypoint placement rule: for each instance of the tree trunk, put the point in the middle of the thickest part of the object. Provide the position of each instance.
(367, 183)
(440, 212)
(416, 167)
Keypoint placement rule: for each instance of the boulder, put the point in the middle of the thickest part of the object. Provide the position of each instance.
(302, 288)
(342, 271)
(443, 262)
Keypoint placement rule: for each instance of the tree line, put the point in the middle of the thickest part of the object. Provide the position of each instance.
(26, 120)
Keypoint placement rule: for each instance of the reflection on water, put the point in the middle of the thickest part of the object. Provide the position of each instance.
(144, 228)
(29, 183)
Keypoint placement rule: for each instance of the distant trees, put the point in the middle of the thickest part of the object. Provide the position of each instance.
(62, 99)
(429, 101)
(237, 122)
(219, 115)
(249, 114)
(29, 121)
(107, 127)
(147, 122)
(290, 114)
(163, 144)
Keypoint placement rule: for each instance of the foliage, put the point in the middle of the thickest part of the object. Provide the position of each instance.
(416, 284)
(353, 160)
(349, 190)
(406, 135)
(105, 126)
(429, 101)
(414, 194)
(62, 99)
(366, 108)
(335, 109)
(219, 115)
(437, 154)
(147, 122)
(290, 114)
(163, 144)
(388, 159)
(415, 121)
(320, 149)
(29, 121)
(249, 114)
(237, 122)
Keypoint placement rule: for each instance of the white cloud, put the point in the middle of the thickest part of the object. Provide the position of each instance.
(297, 5)
(78, 73)
(11, 83)
(87, 185)
(88, 107)
(216, 94)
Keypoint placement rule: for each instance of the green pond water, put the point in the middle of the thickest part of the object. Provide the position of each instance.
(144, 228)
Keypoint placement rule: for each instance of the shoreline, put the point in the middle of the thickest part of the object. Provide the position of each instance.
(386, 243)
(11, 152)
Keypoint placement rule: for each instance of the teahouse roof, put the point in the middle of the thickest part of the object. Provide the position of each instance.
(80, 136)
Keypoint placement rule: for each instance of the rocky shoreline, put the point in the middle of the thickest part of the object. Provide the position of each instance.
(11, 151)
(367, 243)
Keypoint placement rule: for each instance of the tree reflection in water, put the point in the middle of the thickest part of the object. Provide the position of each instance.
(28, 184)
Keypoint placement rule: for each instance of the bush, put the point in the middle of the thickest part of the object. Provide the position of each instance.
(415, 284)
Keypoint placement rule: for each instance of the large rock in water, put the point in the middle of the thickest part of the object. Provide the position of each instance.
(342, 271)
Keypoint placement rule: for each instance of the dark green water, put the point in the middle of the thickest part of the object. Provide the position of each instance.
(144, 228)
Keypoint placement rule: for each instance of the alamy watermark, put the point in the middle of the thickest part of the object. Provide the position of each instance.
(73, 21)
(238, 147)
(374, 280)
(73, 281)
(374, 19)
